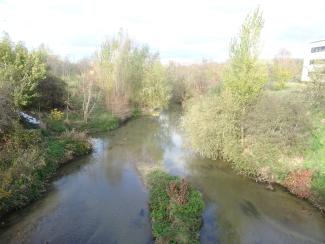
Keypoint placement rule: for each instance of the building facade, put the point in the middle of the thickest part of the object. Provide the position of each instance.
(314, 60)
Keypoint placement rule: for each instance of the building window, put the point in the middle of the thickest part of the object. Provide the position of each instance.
(318, 49)
(317, 61)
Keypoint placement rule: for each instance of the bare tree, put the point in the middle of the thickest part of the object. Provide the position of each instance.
(90, 94)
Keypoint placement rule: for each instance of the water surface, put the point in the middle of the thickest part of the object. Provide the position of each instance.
(101, 198)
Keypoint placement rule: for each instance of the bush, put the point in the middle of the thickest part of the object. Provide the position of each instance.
(102, 122)
(27, 160)
(175, 209)
(56, 126)
(56, 114)
(267, 141)
(52, 92)
(315, 92)
(67, 146)
(211, 125)
(55, 123)
(22, 160)
(7, 111)
(276, 131)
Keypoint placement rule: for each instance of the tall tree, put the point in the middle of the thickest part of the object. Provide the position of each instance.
(245, 75)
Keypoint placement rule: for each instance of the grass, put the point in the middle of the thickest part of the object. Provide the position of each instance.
(315, 158)
(64, 149)
(175, 209)
(100, 121)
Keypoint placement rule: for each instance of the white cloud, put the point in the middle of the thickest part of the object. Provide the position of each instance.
(180, 30)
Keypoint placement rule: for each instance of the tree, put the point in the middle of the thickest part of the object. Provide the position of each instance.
(90, 94)
(128, 74)
(284, 68)
(52, 92)
(245, 76)
(155, 93)
(213, 123)
(22, 69)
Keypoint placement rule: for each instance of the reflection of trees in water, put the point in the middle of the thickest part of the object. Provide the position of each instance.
(22, 223)
(137, 141)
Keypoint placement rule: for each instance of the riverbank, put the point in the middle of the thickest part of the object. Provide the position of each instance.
(32, 156)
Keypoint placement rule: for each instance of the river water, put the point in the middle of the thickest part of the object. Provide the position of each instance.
(100, 198)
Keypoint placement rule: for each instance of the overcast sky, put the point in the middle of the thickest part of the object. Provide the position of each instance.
(184, 31)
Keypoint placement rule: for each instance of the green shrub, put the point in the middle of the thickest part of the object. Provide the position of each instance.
(55, 149)
(211, 124)
(56, 126)
(27, 160)
(175, 209)
(276, 132)
(68, 145)
(21, 160)
(267, 141)
(315, 155)
(102, 122)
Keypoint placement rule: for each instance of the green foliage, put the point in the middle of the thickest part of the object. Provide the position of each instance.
(284, 69)
(245, 76)
(67, 146)
(55, 126)
(22, 69)
(315, 155)
(20, 162)
(56, 114)
(129, 75)
(188, 81)
(173, 222)
(7, 112)
(52, 92)
(211, 125)
(263, 136)
(315, 91)
(102, 122)
(155, 91)
(276, 132)
(28, 159)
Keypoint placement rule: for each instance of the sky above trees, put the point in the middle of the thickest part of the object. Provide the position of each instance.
(184, 31)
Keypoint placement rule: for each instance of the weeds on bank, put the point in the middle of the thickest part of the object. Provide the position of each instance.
(175, 209)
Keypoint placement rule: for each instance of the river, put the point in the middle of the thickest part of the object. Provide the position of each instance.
(100, 198)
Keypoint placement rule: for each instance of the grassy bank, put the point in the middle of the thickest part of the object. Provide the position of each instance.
(100, 121)
(175, 209)
(29, 157)
(315, 160)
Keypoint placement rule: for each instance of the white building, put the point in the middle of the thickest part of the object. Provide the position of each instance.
(315, 59)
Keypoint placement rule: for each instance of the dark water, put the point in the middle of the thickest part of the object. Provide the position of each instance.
(101, 198)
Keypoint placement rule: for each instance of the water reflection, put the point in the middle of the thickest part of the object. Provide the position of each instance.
(91, 205)
(101, 199)
(239, 210)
